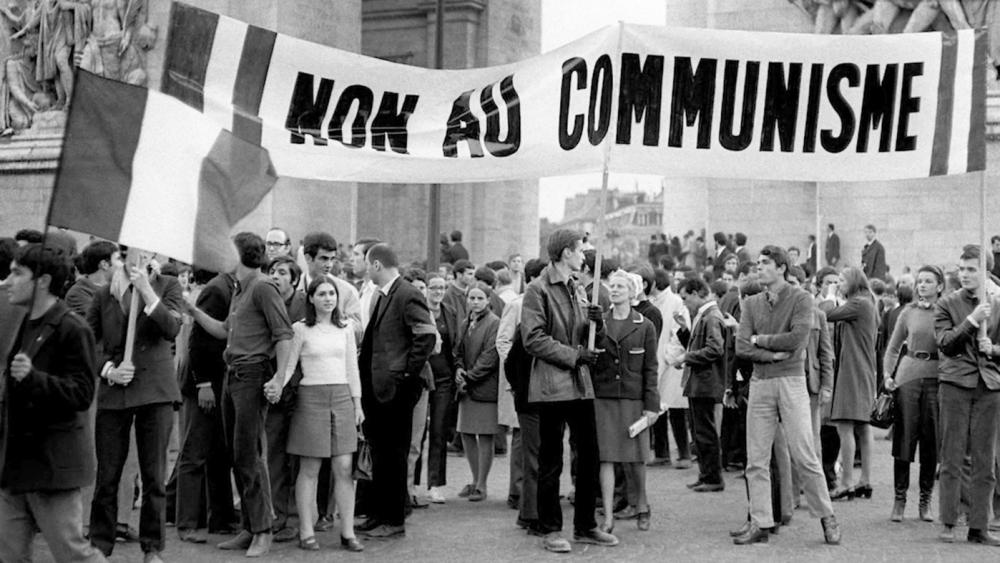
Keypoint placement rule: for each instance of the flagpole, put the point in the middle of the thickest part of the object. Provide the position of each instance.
(434, 197)
(133, 310)
(983, 249)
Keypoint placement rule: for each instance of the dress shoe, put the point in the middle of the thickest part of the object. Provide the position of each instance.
(477, 495)
(897, 510)
(831, 530)
(351, 544)
(947, 534)
(709, 488)
(697, 483)
(309, 544)
(191, 535)
(286, 534)
(843, 494)
(466, 491)
(595, 537)
(555, 543)
(683, 463)
(741, 530)
(126, 534)
(628, 513)
(415, 502)
(659, 462)
(436, 495)
(368, 525)
(152, 557)
(982, 537)
(513, 502)
(261, 545)
(754, 534)
(325, 523)
(242, 541)
(386, 532)
(863, 491)
(643, 521)
(227, 530)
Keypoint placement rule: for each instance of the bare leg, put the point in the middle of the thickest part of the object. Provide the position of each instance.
(305, 495)
(845, 429)
(639, 473)
(607, 477)
(485, 460)
(343, 490)
(471, 448)
(865, 445)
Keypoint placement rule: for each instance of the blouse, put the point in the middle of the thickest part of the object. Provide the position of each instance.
(328, 355)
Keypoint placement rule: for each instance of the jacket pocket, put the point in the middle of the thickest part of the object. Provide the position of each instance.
(636, 358)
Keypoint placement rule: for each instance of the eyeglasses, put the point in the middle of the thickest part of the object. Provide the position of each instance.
(276, 244)
(436, 288)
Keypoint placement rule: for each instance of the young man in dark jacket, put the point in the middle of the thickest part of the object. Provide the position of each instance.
(46, 439)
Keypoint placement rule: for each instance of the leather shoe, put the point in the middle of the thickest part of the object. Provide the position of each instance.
(152, 557)
(260, 546)
(947, 534)
(351, 544)
(241, 541)
(741, 530)
(191, 535)
(286, 534)
(831, 530)
(368, 525)
(555, 543)
(982, 537)
(754, 534)
(697, 483)
(628, 513)
(324, 523)
(709, 488)
(595, 536)
(386, 532)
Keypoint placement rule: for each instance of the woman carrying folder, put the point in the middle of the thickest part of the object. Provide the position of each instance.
(625, 391)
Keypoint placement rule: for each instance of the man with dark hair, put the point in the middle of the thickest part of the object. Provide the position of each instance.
(516, 364)
(367, 289)
(773, 334)
(29, 236)
(704, 379)
(397, 343)
(277, 243)
(320, 250)
(46, 438)
(587, 277)
(967, 331)
(995, 245)
(457, 251)
(554, 324)
(832, 250)
(203, 467)
(258, 339)
(741, 248)
(873, 255)
(137, 392)
(282, 468)
(10, 314)
(99, 260)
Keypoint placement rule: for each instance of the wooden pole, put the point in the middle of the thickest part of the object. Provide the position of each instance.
(434, 197)
(983, 249)
(818, 247)
(133, 310)
(598, 235)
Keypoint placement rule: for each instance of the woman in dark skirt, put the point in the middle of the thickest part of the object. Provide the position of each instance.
(625, 391)
(327, 409)
(916, 384)
(477, 375)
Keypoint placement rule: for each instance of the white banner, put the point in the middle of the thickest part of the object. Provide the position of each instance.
(652, 100)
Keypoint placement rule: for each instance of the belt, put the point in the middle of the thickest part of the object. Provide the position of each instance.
(926, 356)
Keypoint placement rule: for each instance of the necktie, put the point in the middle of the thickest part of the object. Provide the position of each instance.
(376, 301)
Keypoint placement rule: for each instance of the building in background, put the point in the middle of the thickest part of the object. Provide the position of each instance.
(630, 219)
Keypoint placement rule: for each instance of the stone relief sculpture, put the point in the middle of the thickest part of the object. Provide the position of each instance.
(41, 41)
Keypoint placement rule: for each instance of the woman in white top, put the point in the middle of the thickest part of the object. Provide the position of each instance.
(327, 410)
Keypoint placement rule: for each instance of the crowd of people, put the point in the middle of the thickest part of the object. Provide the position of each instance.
(319, 381)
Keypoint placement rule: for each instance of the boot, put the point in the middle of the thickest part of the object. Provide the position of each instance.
(897, 510)
(925, 506)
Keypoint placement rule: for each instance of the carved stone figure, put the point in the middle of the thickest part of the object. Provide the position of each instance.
(117, 41)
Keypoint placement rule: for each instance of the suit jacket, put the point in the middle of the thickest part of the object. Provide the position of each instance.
(819, 355)
(873, 260)
(627, 369)
(704, 362)
(46, 434)
(832, 249)
(398, 341)
(205, 362)
(153, 357)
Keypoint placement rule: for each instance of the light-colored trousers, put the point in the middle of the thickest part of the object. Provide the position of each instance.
(416, 441)
(788, 397)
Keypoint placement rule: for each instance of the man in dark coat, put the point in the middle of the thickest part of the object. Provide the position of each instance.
(873, 255)
(140, 390)
(704, 379)
(457, 251)
(46, 439)
(832, 250)
(397, 343)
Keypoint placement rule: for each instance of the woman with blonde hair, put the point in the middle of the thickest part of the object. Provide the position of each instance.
(854, 383)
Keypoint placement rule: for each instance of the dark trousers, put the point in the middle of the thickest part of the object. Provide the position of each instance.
(203, 470)
(440, 400)
(388, 427)
(530, 441)
(553, 419)
(282, 469)
(830, 446)
(734, 435)
(660, 441)
(968, 420)
(244, 411)
(111, 436)
(706, 439)
(679, 426)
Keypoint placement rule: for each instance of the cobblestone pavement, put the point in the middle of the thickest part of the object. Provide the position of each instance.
(686, 526)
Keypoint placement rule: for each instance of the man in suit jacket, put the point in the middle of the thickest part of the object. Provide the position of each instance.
(142, 391)
(832, 250)
(397, 343)
(46, 438)
(704, 379)
(873, 256)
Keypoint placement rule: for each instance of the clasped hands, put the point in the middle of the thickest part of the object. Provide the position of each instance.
(272, 389)
(121, 374)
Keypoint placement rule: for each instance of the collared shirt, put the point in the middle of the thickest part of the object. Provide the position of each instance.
(388, 285)
(367, 297)
(257, 320)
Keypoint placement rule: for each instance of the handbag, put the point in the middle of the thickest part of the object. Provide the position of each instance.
(883, 410)
(362, 464)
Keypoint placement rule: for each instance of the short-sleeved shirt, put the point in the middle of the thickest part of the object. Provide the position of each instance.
(257, 320)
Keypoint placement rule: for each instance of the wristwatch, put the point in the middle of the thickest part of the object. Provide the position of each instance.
(753, 340)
